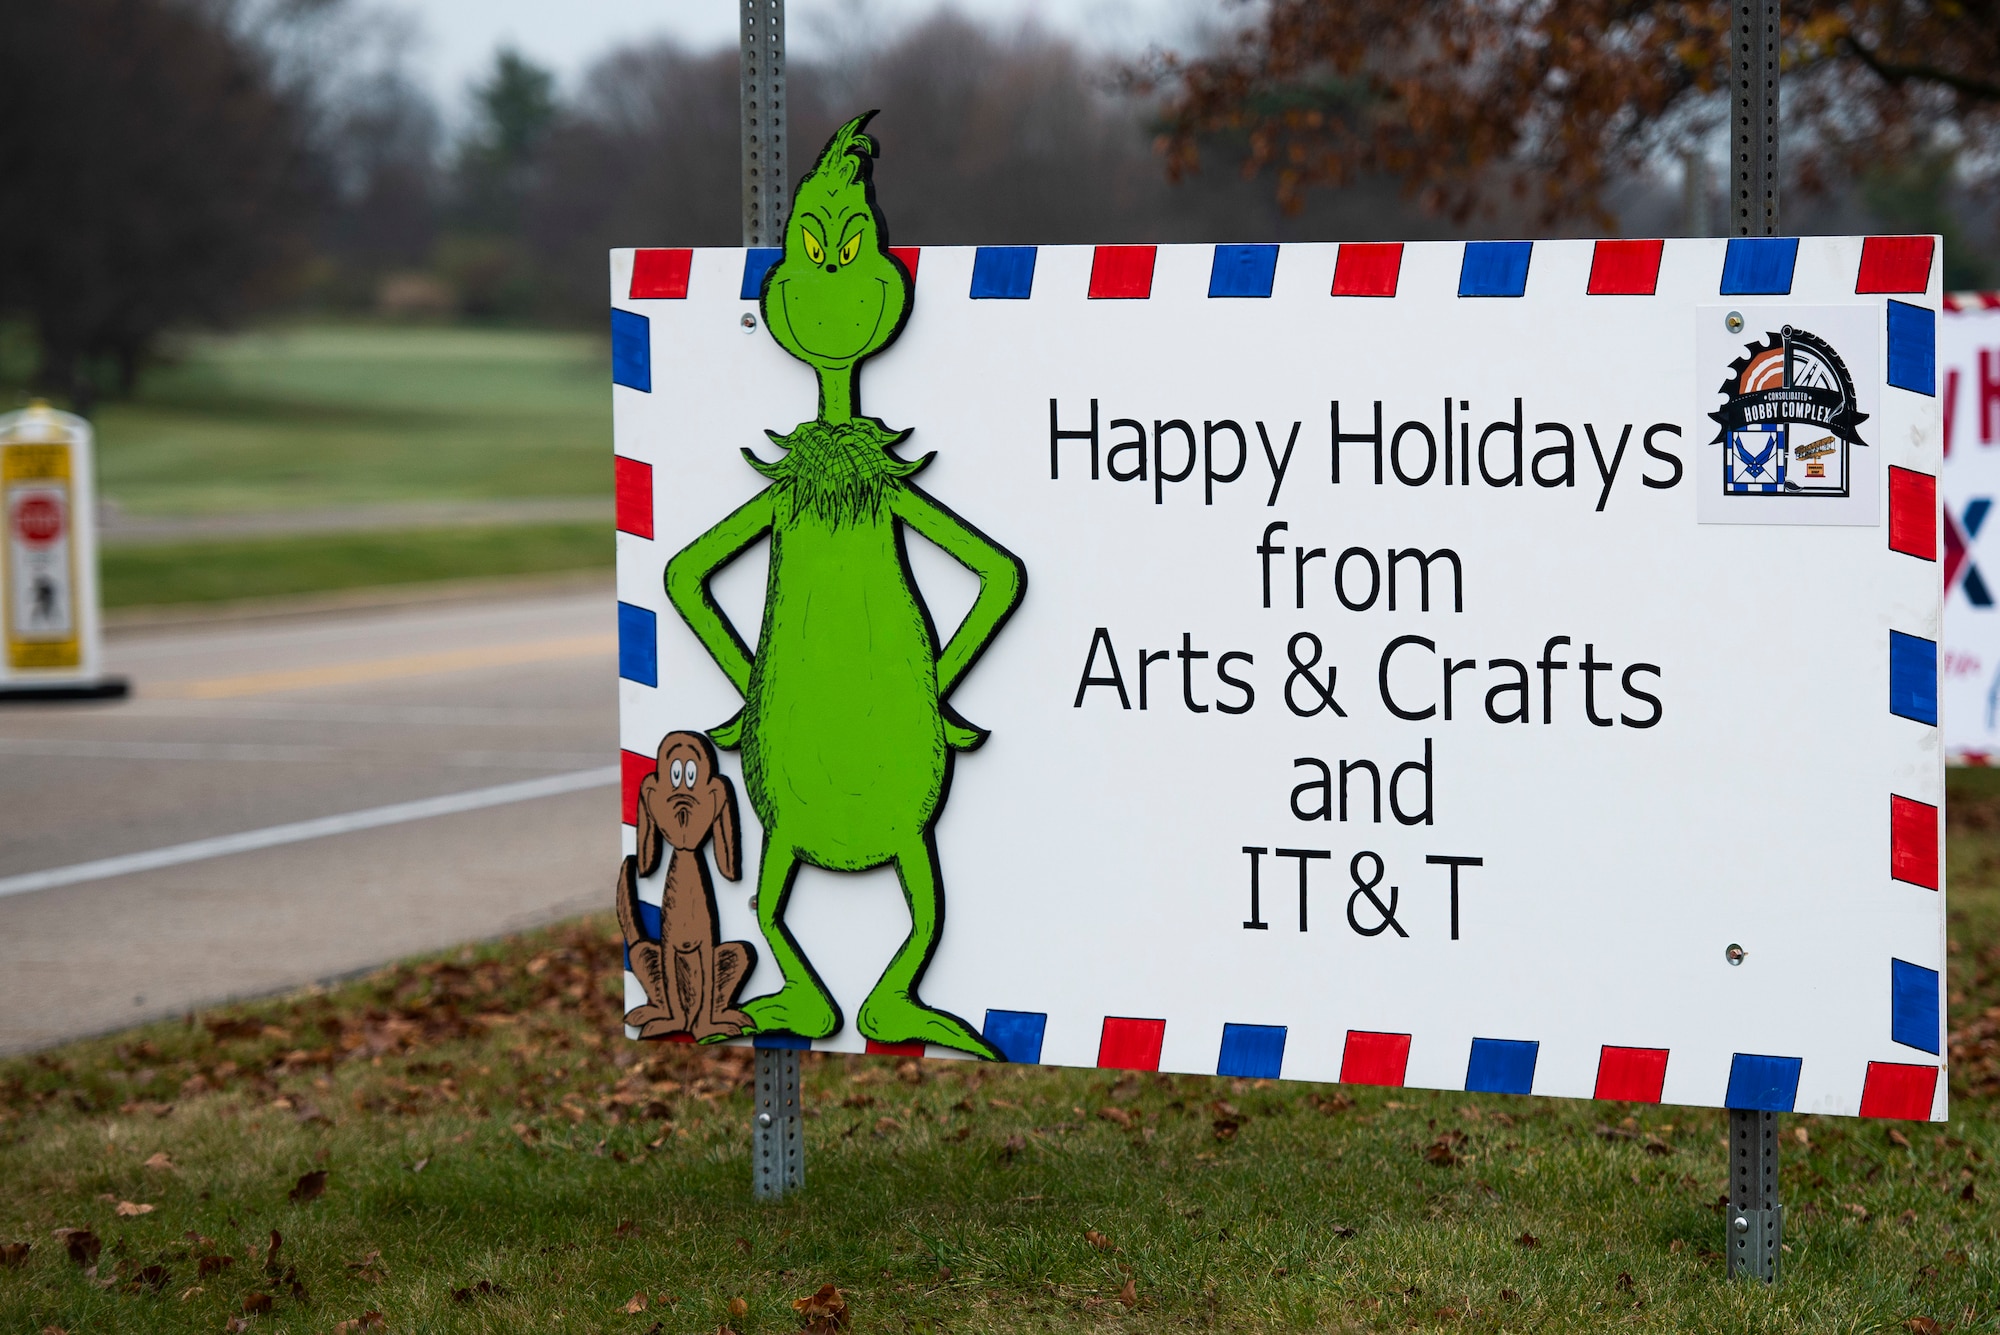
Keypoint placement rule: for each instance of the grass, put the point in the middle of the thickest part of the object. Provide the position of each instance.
(329, 415)
(497, 1159)
(192, 572)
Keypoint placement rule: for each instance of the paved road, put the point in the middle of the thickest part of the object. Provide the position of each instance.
(255, 727)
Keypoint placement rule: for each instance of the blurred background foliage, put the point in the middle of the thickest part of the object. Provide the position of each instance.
(178, 165)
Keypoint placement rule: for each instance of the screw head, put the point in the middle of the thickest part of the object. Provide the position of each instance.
(763, 1119)
(1733, 322)
(1742, 1224)
(1735, 954)
(749, 321)
(753, 901)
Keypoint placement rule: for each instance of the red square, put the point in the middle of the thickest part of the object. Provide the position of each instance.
(660, 274)
(632, 770)
(1913, 842)
(1122, 272)
(1895, 264)
(896, 1049)
(909, 255)
(1131, 1045)
(1892, 1089)
(1913, 513)
(1367, 268)
(1631, 1075)
(632, 482)
(1625, 268)
(1374, 1059)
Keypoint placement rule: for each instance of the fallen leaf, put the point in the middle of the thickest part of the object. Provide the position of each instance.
(1509, 1296)
(1012, 1146)
(1129, 1295)
(1922, 1325)
(83, 1245)
(133, 1209)
(637, 1304)
(1801, 1135)
(1860, 1212)
(256, 1304)
(739, 1308)
(1442, 1153)
(212, 1265)
(1907, 1218)
(1898, 1138)
(420, 1165)
(236, 1325)
(1098, 1240)
(1528, 1240)
(310, 1187)
(822, 1312)
(1342, 1231)
(152, 1277)
(1676, 1245)
(1968, 1195)
(162, 1161)
(14, 1255)
(271, 1250)
(370, 1320)
(1119, 1115)
(485, 1288)
(1625, 1283)
(626, 1228)
(194, 1291)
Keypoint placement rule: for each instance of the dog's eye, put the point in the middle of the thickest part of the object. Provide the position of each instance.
(675, 772)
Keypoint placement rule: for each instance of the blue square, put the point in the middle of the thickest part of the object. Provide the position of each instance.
(782, 1041)
(1763, 1084)
(1243, 271)
(1495, 268)
(1502, 1066)
(1913, 677)
(649, 926)
(1913, 1005)
(1018, 1034)
(1252, 1051)
(638, 645)
(631, 351)
(1913, 347)
(758, 261)
(1759, 266)
(1004, 273)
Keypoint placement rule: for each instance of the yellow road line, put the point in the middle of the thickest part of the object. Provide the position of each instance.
(386, 669)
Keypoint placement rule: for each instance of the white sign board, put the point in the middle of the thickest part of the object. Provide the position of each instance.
(1501, 666)
(1969, 391)
(49, 633)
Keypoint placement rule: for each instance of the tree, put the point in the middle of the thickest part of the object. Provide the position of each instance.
(1558, 98)
(151, 174)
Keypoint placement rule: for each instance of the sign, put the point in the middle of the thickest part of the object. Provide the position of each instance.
(48, 561)
(1333, 662)
(1969, 387)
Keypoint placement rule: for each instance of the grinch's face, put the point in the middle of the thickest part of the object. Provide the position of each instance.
(837, 295)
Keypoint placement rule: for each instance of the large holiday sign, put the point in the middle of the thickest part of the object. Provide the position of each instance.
(1505, 666)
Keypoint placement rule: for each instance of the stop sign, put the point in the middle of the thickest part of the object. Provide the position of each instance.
(38, 520)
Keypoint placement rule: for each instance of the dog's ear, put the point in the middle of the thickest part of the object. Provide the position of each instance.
(649, 829)
(728, 828)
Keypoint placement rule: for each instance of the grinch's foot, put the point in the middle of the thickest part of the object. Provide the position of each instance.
(899, 1019)
(793, 1009)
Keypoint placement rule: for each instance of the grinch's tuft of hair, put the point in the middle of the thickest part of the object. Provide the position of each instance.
(838, 472)
(847, 154)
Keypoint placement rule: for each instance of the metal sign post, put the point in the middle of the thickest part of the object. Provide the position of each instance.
(777, 1151)
(1756, 1220)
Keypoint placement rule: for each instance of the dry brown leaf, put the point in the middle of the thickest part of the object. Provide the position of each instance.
(271, 1250)
(212, 1265)
(1098, 1240)
(256, 1304)
(82, 1244)
(14, 1255)
(1129, 1295)
(1898, 1138)
(1922, 1325)
(133, 1209)
(638, 1303)
(822, 1312)
(162, 1161)
(193, 1291)
(626, 1228)
(738, 1309)
(1119, 1115)
(1441, 1153)
(310, 1187)
(1528, 1240)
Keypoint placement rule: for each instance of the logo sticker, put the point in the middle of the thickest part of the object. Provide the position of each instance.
(1789, 412)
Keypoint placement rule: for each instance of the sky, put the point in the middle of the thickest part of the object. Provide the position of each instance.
(454, 40)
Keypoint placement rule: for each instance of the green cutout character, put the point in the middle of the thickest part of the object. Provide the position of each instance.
(846, 736)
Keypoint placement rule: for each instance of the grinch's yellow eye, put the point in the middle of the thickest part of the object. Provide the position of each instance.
(814, 251)
(851, 249)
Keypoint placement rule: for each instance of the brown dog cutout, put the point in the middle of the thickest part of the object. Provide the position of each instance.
(690, 977)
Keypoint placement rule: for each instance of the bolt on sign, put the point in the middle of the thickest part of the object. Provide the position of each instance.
(1506, 666)
(48, 562)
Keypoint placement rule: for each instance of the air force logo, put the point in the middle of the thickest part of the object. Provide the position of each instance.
(1788, 419)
